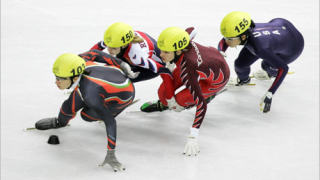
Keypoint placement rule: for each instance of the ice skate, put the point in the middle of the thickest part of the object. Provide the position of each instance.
(243, 83)
(48, 123)
(153, 106)
(208, 100)
(261, 75)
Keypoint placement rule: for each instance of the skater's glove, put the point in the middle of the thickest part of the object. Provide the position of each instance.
(128, 71)
(192, 145)
(222, 47)
(111, 159)
(173, 105)
(265, 103)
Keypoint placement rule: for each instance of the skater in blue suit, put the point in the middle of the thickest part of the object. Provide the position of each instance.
(278, 43)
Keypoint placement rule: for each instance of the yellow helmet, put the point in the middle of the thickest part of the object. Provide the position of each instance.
(173, 39)
(118, 34)
(234, 24)
(68, 65)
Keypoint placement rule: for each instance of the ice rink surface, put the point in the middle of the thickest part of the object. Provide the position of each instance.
(237, 141)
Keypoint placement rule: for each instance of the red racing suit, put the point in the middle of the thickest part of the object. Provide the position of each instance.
(203, 71)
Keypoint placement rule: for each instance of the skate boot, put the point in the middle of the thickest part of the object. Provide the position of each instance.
(48, 123)
(262, 75)
(243, 83)
(208, 100)
(153, 106)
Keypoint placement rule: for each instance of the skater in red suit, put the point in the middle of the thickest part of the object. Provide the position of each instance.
(203, 71)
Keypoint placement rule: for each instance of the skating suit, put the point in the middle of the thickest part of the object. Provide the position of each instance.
(203, 71)
(277, 43)
(143, 57)
(101, 94)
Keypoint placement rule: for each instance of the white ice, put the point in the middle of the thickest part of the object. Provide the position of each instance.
(237, 141)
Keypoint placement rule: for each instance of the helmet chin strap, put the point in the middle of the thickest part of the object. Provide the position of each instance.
(122, 51)
(176, 58)
(71, 79)
(247, 34)
(243, 42)
(74, 84)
